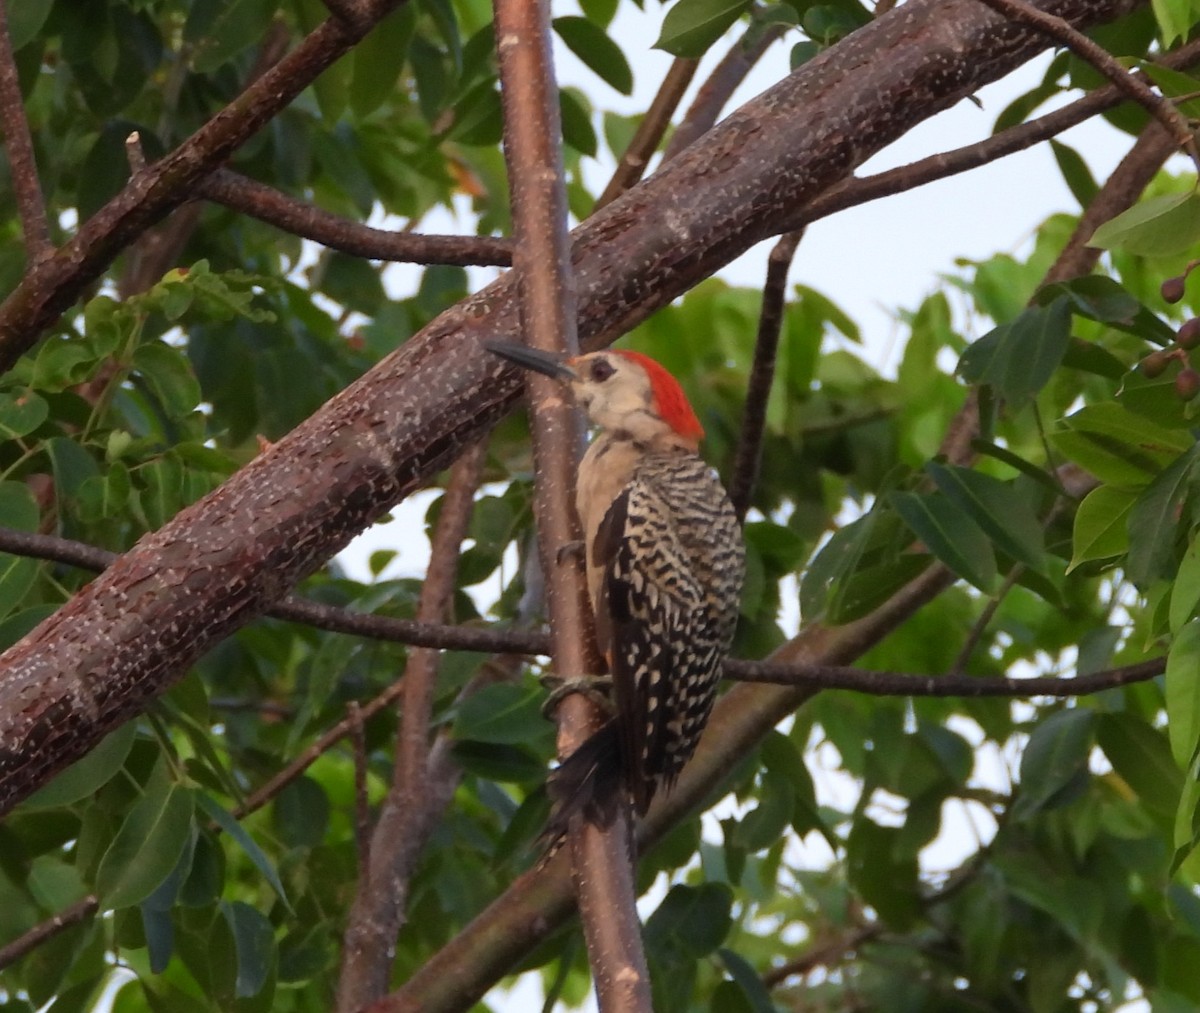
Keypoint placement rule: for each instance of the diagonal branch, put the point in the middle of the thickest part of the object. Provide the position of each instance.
(59, 280)
(1086, 49)
(225, 559)
(716, 92)
(632, 164)
(404, 823)
(269, 205)
(18, 144)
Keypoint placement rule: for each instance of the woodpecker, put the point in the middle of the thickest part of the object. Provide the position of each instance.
(665, 563)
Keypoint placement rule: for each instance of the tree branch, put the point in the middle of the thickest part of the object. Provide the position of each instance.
(269, 205)
(59, 280)
(18, 145)
(299, 610)
(632, 164)
(226, 558)
(602, 871)
(762, 374)
(1056, 28)
(713, 95)
(403, 827)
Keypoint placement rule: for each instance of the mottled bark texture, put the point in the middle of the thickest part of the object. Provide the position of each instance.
(221, 562)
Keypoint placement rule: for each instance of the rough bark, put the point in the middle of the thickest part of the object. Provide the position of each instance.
(219, 563)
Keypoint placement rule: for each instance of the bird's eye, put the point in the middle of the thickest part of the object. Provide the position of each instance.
(601, 370)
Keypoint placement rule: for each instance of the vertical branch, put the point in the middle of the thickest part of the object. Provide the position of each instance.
(650, 131)
(414, 801)
(602, 868)
(762, 374)
(18, 144)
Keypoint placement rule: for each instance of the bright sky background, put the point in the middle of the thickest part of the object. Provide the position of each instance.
(870, 260)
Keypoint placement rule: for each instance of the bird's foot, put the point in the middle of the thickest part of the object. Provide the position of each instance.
(570, 549)
(597, 688)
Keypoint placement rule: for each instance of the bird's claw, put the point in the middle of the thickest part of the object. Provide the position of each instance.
(597, 688)
(568, 550)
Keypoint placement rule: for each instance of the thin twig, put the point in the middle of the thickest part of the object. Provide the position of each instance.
(403, 827)
(649, 134)
(857, 680)
(18, 144)
(762, 374)
(828, 954)
(170, 181)
(269, 205)
(299, 610)
(134, 153)
(362, 814)
(855, 192)
(81, 910)
(1160, 108)
(717, 90)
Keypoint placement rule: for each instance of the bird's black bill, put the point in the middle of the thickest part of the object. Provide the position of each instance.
(531, 358)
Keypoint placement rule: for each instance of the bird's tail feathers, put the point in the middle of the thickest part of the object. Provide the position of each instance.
(587, 785)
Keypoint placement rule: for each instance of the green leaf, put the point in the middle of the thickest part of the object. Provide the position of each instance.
(1159, 227)
(1183, 695)
(231, 826)
(1102, 524)
(169, 375)
(1075, 171)
(1141, 755)
(1056, 754)
(1185, 590)
(503, 713)
(21, 414)
(1117, 445)
(238, 25)
(25, 20)
(691, 26)
(379, 60)
(598, 52)
(85, 777)
(1003, 513)
(147, 847)
(1018, 358)
(748, 980)
(950, 535)
(1154, 521)
(1175, 18)
(254, 939)
(692, 919)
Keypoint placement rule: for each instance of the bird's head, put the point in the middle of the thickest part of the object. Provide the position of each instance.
(620, 391)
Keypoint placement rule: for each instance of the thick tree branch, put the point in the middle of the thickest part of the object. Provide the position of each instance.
(59, 280)
(1056, 28)
(18, 145)
(269, 205)
(762, 374)
(403, 827)
(632, 164)
(224, 560)
(858, 191)
(717, 90)
(299, 610)
(601, 868)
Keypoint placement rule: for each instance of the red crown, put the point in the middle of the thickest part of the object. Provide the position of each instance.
(671, 401)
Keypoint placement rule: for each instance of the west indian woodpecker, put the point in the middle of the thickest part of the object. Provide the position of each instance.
(665, 563)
